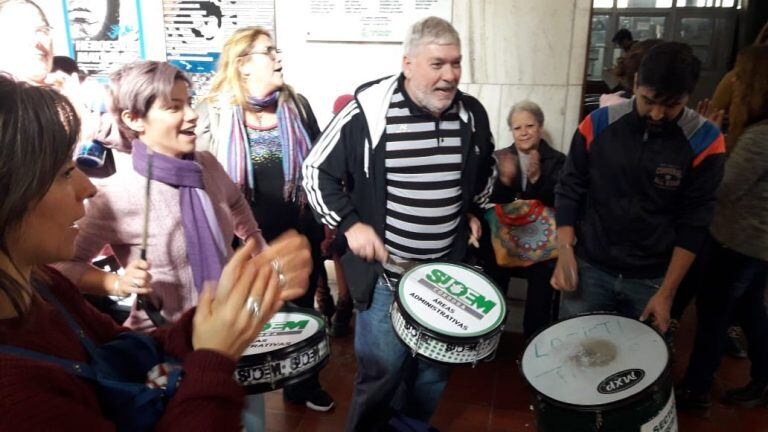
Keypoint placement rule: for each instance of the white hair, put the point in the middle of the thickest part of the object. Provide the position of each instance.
(430, 30)
(527, 106)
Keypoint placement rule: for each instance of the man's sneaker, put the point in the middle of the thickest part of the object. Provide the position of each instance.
(320, 401)
(749, 396)
(734, 346)
(687, 400)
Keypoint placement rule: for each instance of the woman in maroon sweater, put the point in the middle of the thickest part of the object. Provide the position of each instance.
(42, 199)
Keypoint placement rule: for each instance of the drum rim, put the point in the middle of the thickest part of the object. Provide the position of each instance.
(439, 362)
(280, 383)
(499, 325)
(447, 339)
(290, 349)
(665, 373)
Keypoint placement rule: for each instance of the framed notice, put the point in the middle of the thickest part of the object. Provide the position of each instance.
(195, 31)
(103, 35)
(369, 20)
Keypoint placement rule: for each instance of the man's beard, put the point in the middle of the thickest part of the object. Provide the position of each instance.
(654, 126)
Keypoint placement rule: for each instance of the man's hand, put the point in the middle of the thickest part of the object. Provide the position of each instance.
(657, 310)
(365, 243)
(533, 170)
(475, 230)
(566, 274)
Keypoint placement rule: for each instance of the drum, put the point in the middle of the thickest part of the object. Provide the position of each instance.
(448, 313)
(293, 345)
(600, 372)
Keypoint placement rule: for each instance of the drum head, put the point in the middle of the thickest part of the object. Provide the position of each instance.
(286, 329)
(451, 300)
(594, 360)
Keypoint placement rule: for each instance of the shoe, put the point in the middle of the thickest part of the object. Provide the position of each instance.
(753, 394)
(687, 400)
(320, 401)
(734, 346)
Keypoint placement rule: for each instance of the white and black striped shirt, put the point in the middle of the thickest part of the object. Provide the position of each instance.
(423, 166)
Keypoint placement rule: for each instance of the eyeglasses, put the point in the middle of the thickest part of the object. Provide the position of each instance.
(270, 51)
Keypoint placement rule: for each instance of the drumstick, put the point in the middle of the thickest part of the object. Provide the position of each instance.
(142, 300)
(145, 228)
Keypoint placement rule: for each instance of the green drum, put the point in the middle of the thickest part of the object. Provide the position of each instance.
(448, 313)
(293, 345)
(600, 372)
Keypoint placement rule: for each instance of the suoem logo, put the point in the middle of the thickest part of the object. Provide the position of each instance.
(460, 291)
(621, 381)
(276, 327)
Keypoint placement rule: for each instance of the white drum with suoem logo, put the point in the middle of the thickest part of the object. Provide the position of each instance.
(600, 372)
(293, 345)
(448, 313)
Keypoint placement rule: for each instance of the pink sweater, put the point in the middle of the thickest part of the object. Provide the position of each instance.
(115, 216)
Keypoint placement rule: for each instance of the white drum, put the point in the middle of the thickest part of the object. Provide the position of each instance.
(600, 372)
(293, 345)
(448, 313)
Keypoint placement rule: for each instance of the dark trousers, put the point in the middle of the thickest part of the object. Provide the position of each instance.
(733, 287)
(541, 300)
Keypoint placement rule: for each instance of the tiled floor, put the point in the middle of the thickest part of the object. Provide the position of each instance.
(493, 397)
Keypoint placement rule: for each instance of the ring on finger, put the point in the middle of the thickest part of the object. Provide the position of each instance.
(135, 283)
(279, 270)
(253, 307)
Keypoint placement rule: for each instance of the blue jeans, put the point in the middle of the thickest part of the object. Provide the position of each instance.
(599, 291)
(386, 369)
(253, 413)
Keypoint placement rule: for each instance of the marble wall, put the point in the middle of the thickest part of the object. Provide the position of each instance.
(518, 49)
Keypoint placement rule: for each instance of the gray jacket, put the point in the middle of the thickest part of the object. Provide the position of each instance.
(741, 215)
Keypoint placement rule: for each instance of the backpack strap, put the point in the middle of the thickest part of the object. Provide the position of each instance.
(80, 369)
(43, 290)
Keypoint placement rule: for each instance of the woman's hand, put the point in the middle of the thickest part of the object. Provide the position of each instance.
(507, 166)
(135, 280)
(227, 321)
(290, 254)
(533, 170)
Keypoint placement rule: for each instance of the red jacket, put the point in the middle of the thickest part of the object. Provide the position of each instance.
(41, 396)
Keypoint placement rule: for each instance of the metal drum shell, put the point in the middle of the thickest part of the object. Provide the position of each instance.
(492, 333)
(286, 353)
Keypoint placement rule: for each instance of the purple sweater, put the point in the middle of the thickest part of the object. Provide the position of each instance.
(115, 215)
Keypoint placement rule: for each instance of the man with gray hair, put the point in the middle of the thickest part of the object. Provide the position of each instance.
(416, 158)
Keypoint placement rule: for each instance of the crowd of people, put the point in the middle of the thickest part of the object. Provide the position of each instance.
(221, 213)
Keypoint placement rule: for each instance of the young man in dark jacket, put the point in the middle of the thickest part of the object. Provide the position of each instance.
(418, 155)
(637, 193)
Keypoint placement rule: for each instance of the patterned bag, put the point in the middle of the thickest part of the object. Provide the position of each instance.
(523, 233)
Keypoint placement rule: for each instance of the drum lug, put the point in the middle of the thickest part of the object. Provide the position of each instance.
(272, 380)
(599, 420)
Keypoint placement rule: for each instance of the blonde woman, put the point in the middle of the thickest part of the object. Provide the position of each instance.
(261, 130)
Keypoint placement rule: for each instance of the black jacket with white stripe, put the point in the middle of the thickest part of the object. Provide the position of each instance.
(350, 150)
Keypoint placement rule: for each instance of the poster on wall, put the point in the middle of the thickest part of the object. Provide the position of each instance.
(369, 20)
(195, 31)
(103, 35)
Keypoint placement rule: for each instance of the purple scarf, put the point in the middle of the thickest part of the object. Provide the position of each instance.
(205, 250)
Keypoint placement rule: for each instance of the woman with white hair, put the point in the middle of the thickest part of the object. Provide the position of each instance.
(528, 170)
